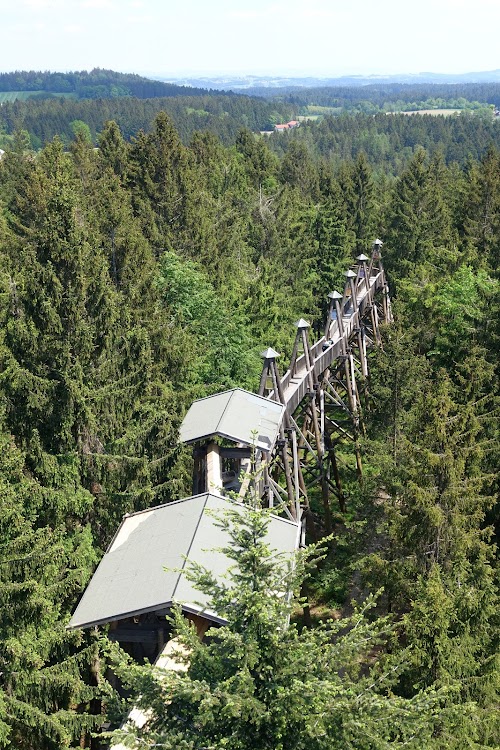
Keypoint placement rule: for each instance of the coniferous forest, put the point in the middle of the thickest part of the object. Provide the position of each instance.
(151, 271)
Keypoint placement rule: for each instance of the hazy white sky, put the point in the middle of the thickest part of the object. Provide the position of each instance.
(329, 37)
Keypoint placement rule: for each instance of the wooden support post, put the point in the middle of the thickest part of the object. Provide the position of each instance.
(321, 399)
(267, 486)
(257, 478)
(353, 402)
(330, 315)
(295, 354)
(283, 439)
(348, 299)
(268, 368)
(214, 468)
(351, 276)
(199, 470)
(388, 306)
(337, 298)
(295, 454)
(277, 389)
(375, 325)
(362, 352)
(385, 306)
(201, 624)
(362, 275)
(376, 261)
(386, 301)
(351, 387)
(359, 463)
(338, 483)
(365, 354)
(263, 381)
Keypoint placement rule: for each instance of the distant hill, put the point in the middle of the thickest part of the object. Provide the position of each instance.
(94, 84)
(267, 85)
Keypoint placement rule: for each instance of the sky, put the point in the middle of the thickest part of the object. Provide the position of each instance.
(274, 37)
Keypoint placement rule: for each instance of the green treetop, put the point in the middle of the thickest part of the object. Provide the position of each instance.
(259, 682)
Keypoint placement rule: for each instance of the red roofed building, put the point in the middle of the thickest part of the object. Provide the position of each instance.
(286, 126)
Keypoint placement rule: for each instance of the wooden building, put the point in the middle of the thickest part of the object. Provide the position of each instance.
(142, 575)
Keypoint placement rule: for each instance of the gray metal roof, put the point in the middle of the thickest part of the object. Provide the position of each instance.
(270, 353)
(131, 578)
(236, 415)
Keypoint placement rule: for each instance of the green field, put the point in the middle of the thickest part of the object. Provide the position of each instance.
(11, 96)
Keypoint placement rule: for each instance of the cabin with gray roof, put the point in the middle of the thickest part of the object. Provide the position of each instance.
(142, 574)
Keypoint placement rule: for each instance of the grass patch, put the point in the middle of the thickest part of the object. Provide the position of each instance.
(445, 112)
(12, 96)
(200, 112)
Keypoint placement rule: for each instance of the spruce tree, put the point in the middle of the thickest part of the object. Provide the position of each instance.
(50, 680)
(335, 242)
(482, 209)
(418, 218)
(259, 682)
(438, 565)
(159, 177)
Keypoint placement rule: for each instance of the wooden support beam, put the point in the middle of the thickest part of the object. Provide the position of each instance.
(214, 468)
(323, 391)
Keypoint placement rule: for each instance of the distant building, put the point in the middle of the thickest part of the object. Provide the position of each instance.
(286, 126)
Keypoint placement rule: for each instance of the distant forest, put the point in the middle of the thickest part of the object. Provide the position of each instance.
(380, 94)
(388, 141)
(94, 84)
(221, 114)
(337, 123)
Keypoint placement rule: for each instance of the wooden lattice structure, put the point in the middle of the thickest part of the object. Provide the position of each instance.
(321, 393)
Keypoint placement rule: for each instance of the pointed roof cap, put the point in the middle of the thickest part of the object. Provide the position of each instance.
(269, 353)
(334, 295)
(350, 274)
(302, 324)
(362, 257)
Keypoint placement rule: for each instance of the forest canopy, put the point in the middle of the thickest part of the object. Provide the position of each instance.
(152, 270)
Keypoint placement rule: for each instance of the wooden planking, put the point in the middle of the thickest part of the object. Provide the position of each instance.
(296, 388)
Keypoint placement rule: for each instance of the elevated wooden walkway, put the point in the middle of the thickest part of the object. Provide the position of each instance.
(325, 351)
(321, 396)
